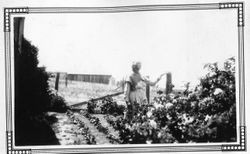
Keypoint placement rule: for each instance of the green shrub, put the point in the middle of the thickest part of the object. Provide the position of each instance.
(109, 106)
(206, 114)
(58, 104)
(32, 98)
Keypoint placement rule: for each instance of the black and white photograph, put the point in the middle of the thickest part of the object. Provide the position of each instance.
(135, 78)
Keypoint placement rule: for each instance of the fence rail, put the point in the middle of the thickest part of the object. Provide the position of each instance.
(96, 99)
(100, 78)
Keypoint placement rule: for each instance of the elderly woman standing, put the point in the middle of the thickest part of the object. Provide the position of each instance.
(135, 86)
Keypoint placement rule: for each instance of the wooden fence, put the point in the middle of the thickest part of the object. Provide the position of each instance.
(92, 78)
(169, 86)
(168, 90)
(104, 79)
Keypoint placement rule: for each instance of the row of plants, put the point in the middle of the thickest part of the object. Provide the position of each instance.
(84, 130)
(96, 122)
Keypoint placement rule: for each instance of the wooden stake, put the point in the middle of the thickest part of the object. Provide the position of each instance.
(57, 81)
(168, 83)
(66, 80)
(148, 92)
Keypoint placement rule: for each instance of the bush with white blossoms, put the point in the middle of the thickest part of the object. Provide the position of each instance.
(218, 91)
(205, 114)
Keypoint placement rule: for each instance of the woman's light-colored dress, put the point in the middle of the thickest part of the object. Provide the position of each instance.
(137, 92)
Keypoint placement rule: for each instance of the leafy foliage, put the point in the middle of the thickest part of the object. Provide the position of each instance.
(84, 130)
(206, 114)
(109, 106)
(32, 99)
(32, 96)
(97, 123)
(58, 104)
(106, 106)
(91, 107)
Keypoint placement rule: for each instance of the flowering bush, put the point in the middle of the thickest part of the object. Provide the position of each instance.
(206, 114)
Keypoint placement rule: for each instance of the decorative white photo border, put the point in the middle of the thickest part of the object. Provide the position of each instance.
(239, 6)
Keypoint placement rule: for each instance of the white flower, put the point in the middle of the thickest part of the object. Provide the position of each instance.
(169, 117)
(174, 101)
(218, 91)
(127, 126)
(172, 96)
(212, 73)
(168, 105)
(208, 117)
(149, 141)
(153, 123)
(149, 113)
(156, 105)
(159, 135)
(187, 119)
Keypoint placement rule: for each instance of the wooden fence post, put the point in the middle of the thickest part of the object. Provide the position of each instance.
(169, 83)
(57, 81)
(148, 92)
(66, 80)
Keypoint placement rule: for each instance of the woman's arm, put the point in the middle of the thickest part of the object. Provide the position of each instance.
(151, 83)
(155, 82)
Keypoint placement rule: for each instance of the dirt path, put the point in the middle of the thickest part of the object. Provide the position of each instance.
(100, 137)
(66, 131)
(104, 123)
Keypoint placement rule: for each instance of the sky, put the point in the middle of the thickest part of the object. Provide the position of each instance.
(180, 42)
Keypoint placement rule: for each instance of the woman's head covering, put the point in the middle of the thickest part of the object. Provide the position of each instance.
(136, 66)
